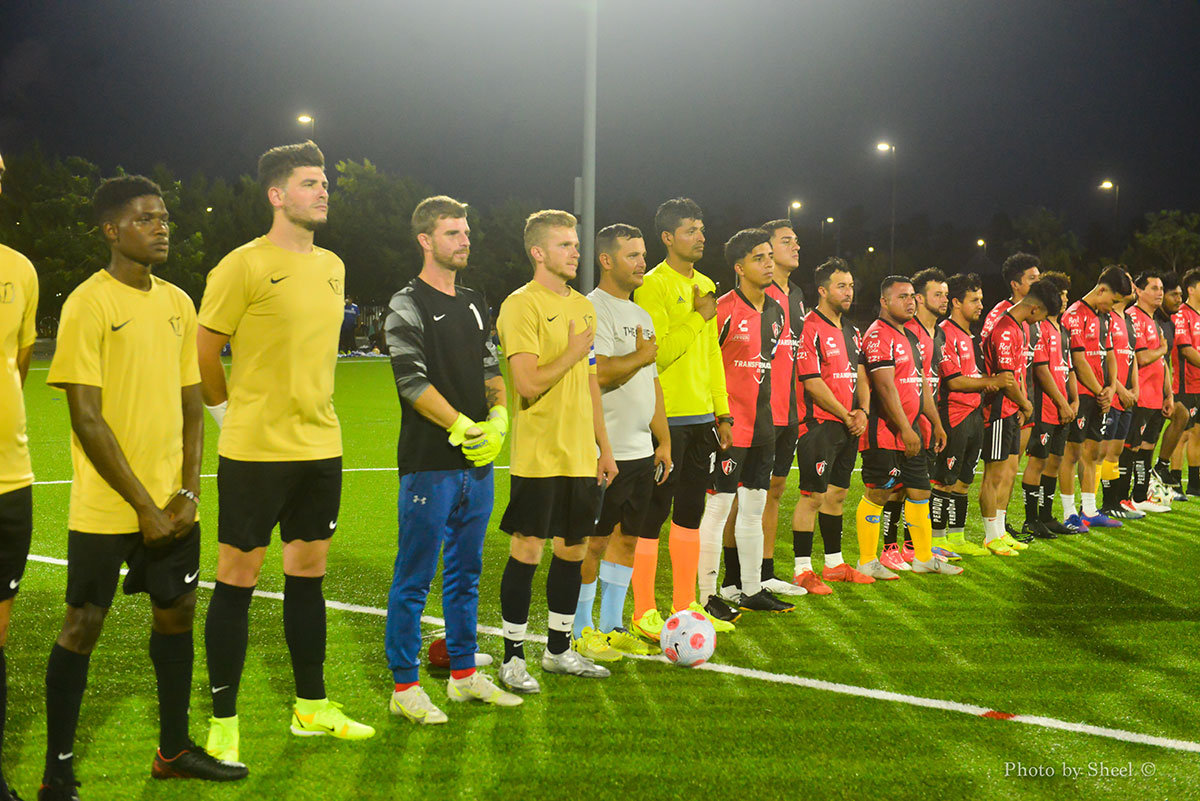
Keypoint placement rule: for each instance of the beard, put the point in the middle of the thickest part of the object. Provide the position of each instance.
(307, 223)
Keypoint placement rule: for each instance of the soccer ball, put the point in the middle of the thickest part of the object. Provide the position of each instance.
(688, 639)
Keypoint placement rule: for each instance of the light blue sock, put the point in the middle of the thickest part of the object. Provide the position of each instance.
(583, 611)
(614, 586)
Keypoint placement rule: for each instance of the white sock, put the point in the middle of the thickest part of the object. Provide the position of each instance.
(1068, 504)
(834, 559)
(1001, 514)
(990, 525)
(712, 528)
(748, 534)
(1088, 500)
(804, 563)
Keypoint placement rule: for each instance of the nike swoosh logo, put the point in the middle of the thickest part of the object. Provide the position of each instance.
(332, 525)
(122, 325)
(437, 317)
(190, 577)
(12, 585)
(277, 280)
(552, 319)
(67, 755)
(222, 687)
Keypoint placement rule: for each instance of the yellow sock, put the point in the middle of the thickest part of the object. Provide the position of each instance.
(1109, 471)
(867, 523)
(916, 514)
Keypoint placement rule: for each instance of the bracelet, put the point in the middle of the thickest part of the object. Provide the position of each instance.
(191, 496)
(725, 419)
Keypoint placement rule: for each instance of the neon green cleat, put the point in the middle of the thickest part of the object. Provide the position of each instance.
(964, 548)
(649, 625)
(223, 739)
(594, 645)
(314, 718)
(1012, 542)
(626, 643)
(718, 624)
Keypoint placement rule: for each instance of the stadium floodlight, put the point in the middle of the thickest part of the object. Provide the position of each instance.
(980, 243)
(309, 120)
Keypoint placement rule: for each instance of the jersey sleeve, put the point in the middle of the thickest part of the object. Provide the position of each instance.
(404, 329)
(517, 325)
(877, 352)
(808, 363)
(189, 361)
(949, 366)
(1041, 351)
(1006, 344)
(28, 331)
(226, 295)
(491, 358)
(78, 347)
(605, 340)
(1182, 334)
(1074, 326)
(672, 342)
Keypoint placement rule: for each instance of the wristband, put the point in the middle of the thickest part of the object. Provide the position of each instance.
(498, 417)
(218, 412)
(191, 496)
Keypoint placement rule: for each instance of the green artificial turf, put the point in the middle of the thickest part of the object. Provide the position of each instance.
(1099, 629)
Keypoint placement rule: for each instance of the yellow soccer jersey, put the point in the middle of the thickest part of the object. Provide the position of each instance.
(283, 311)
(18, 330)
(140, 349)
(552, 435)
(689, 356)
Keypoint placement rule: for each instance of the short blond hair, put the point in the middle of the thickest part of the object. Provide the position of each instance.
(538, 223)
(439, 207)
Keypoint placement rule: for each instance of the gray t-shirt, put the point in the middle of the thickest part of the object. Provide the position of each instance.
(628, 408)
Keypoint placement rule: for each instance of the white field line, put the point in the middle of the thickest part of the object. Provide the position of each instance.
(801, 681)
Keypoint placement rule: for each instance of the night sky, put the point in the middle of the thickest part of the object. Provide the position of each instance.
(992, 104)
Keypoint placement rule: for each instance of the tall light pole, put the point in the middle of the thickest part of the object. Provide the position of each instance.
(826, 220)
(886, 147)
(795, 205)
(587, 261)
(981, 243)
(1109, 186)
(310, 121)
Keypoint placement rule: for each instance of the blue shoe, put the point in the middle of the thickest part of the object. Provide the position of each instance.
(1077, 522)
(946, 555)
(1101, 520)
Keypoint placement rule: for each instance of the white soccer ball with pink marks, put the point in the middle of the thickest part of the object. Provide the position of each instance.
(688, 639)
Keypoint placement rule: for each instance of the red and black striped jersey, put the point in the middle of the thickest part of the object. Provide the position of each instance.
(1052, 351)
(993, 316)
(886, 345)
(931, 346)
(783, 368)
(1121, 336)
(1089, 340)
(1004, 350)
(830, 352)
(1152, 376)
(958, 359)
(1187, 334)
(748, 339)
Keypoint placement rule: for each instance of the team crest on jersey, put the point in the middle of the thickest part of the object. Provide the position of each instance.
(950, 462)
(776, 329)
(727, 466)
(336, 285)
(894, 472)
(821, 468)
(176, 324)
(7, 292)
(680, 300)
(1045, 438)
(1079, 421)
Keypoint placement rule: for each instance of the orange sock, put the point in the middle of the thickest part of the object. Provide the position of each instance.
(684, 545)
(645, 569)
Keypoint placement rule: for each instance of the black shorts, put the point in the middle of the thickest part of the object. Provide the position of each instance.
(692, 447)
(16, 531)
(1001, 439)
(302, 497)
(165, 573)
(958, 459)
(1116, 424)
(1191, 402)
(1154, 427)
(1089, 423)
(826, 455)
(627, 498)
(785, 449)
(744, 467)
(1138, 423)
(552, 506)
(1047, 440)
(884, 469)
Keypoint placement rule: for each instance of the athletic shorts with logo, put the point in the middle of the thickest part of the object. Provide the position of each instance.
(885, 469)
(627, 499)
(1088, 423)
(552, 506)
(303, 497)
(786, 438)
(16, 532)
(744, 467)
(165, 572)
(1117, 423)
(1192, 404)
(1001, 439)
(1154, 427)
(958, 459)
(1047, 440)
(826, 456)
(1139, 424)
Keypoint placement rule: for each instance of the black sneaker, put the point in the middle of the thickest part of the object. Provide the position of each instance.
(196, 763)
(59, 790)
(1037, 529)
(721, 610)
(10, 795)
(764, 601)
(1061, 529)
(1193, 490)
(1016, 534)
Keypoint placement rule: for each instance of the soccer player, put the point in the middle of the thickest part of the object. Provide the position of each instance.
(750, 325)
(18, 332)
(452, 425)
(1020, 270)
(1155, 401)
(1086, 323)
(1173, 434)
(682, 305)
(835, 386)
(893, 452)
(1186, 364)
(960, 407)
(1055, 398)
(546, 330)
(635, 418)
(126, 359)
(278, 300)
(1114, 469)
(1004, 350)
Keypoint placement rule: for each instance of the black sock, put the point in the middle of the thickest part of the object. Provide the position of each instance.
(562, 597)
(3, 712)
(1162, 467)
(304, 629)
(1033, 500)
(516, 590)
(831, 533)
(1176, 477)
(226, 632)
(939, 509)
(891, 521)
(802, 543)
(66, 679)
(1193, 477)
(1125, 477)
(1049, 485)
(173, 656)
(768, 569)
(733, 567)
(958, 511)
(1141, 477)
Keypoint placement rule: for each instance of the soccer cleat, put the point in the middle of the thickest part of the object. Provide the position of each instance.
(1192, 491)
(1177, 495)
(1130, 506)
(1034, 528)
(891, 558)
(1148, 506)
(719, 613)
(196, 763)
(876, 570)
(59, 790)
(569, 663)
(964, 547)
(415, 704)
(649, 625)
(515, 676)
(328, 718)
(1077, 522)
(811, 584)
(1013, 543)
(594, 646)
(844, 572)
(781, 587)
(626, 643)
(222, 740)
(946, 555)
(1015, 534)
(479, 687)
(936, 566)
(764, 601)
(1122, 512)
(1058, 528)
(1100, 520)
(906, 551)
(730, 593)
(1001, 548)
